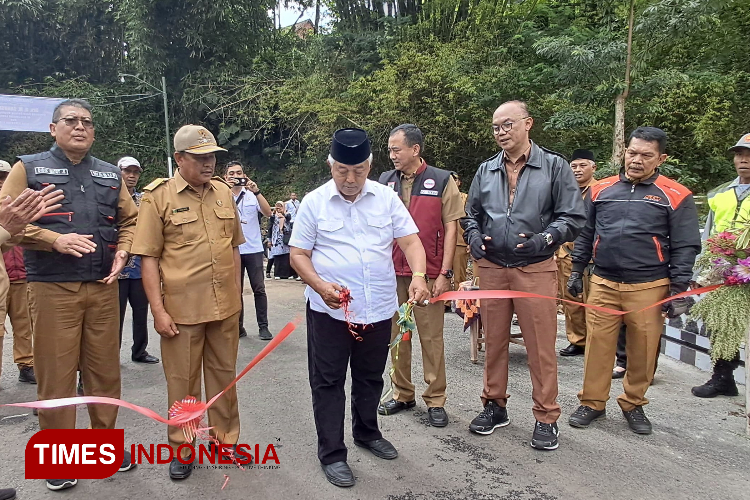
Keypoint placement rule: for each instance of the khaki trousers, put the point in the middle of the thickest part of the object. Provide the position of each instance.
(211, 346)
(76, 324)
(575, 316)
(20, 319)
(430, 333)
(643, 335)
(538, 321)
(460, 263)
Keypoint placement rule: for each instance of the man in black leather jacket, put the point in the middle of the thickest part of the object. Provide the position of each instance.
(523, 203)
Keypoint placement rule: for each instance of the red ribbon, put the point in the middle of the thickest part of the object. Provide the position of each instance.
(510, 294)
(186, 413)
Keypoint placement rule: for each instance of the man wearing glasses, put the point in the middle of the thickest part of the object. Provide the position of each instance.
(73, 258)
(523, 203)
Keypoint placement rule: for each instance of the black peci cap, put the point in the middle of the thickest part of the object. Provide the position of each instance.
(350, 146)
(582, 154)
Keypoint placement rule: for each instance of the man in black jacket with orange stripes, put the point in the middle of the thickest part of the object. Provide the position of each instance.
(642, 233)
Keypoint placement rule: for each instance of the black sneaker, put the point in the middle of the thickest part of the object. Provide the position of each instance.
(265, 334)
(492, 417)
(393, 406)
(26, 374)
(584, 415)
(126, 465)
(61, 484)
(637, 420)
(545, 436)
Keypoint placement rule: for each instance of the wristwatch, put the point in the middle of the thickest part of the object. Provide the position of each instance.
(548, 238)
(448, 273)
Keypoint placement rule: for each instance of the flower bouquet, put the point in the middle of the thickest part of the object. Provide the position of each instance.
(725, 311)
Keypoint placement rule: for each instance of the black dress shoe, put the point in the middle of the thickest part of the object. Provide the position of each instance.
(7, 494)
(179, 470)
(437, 416)
(146, 358)
(26, 374)
(339, 474)
(618, 374)
(573, 350)
(243, 332)
(393, 406)
(381, 448)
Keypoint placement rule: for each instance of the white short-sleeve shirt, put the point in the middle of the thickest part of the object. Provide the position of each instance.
(248, 209)
(352, 244)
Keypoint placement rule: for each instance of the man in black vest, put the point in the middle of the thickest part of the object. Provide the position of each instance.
(73, 258)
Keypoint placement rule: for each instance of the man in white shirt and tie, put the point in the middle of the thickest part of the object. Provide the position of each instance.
(250, 205)
(342, 238)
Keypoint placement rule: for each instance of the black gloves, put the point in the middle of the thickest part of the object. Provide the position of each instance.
(677, 307)
(534, 245)
(575, 284)
(476, 242)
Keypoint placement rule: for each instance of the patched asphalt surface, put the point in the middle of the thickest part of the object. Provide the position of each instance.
(698, 448)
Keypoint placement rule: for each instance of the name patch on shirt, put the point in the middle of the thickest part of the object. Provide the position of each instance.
(392, 185)
(51, 171)
(103, 175)
(427, 191)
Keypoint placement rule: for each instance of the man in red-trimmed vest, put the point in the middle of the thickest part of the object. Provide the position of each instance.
(17, 305)
(642, 234)
(434, 202)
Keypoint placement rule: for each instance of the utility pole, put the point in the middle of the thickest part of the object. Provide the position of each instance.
(166, 124)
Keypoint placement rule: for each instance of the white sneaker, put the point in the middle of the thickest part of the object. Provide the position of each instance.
(277, 278)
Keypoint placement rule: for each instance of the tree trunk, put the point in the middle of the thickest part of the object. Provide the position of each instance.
(317, 17)
(618, 139)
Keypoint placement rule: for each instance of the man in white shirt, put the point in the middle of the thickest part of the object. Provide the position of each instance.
(342, 238)
(250, 204)
(292, 205)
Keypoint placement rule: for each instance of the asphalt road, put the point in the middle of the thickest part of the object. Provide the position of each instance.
(698, 448)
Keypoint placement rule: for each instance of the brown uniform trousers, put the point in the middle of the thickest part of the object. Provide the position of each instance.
(575, 315)
(76, 324)
(17, 307)
(18, 312)
(644, 331)
(538, 321)
(211, 348)
(430, 333)
(460, 263)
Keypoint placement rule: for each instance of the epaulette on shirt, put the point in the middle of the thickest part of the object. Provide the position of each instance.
(553, 152)
(155, 184)
(217, 178)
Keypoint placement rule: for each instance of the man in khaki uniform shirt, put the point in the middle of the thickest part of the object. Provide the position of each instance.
(434, 202)
(188, 236)
(461, 257)
(583, 165)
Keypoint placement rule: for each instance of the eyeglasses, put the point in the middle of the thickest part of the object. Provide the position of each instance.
(72, 121)
(506, 127)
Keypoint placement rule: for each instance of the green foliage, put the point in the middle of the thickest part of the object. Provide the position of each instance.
(726, 314)
(274, 99)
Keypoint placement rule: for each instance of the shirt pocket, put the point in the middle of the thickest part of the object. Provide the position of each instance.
(383, 224)
(330, 226)
(226, 215)
(107, 191)
(187, 228)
